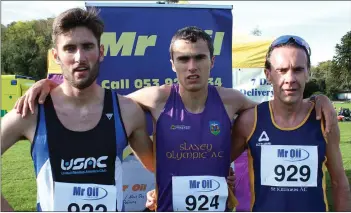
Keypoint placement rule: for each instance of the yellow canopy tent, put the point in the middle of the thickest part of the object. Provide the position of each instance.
(249, 51)
(53, 68)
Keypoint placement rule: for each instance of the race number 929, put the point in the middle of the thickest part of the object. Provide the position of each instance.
(201, 203)
(292, 173)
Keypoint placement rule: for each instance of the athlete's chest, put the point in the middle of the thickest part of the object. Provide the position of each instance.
(79, 119)
(193, 133)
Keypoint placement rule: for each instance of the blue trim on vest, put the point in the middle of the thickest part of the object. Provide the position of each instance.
(121, 140)
(40, 152)
(38, 207)
(119, 128)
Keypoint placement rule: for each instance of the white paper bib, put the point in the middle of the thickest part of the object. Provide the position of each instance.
(199, 193)
(290, 166)
(74, 197)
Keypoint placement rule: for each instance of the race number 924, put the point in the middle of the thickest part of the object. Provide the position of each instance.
(201, 203)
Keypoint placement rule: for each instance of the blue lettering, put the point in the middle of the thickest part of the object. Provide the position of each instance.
(204, 184)
(77, 191)
(263, 81)
(292, 153)
(256, 92)
(89, 191)
(194, 184)
(298, 153)
(282, 153)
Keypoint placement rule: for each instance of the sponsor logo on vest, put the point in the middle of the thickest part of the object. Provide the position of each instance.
(263, 139)
(83, 165)
(204, 185)
(293, 155)
(90, 193)
(214, 127)
(180, 127)
(109, 115)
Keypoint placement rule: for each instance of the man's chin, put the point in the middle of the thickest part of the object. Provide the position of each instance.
(83, 84)
(291, 100)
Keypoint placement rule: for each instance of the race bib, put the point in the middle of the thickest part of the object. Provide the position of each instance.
(74, 197)
(199, 193)
(294, 166)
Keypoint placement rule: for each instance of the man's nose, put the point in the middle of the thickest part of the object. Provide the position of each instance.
(80, 56)
(192, 65)
(290, 77)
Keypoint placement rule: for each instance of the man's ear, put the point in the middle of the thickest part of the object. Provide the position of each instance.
(308, 73)
(172, 63)
(212, 61)
(55, 55)
(101, 53)
(267, 72)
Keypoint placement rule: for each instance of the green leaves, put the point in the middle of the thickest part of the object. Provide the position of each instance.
(24, 47)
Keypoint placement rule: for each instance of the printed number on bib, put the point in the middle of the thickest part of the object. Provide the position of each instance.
(199, 193)
(290, 166)
(201, 203)
(282, 173)
(74, 207)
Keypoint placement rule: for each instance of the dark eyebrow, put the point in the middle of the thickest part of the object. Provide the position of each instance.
(298, 68)
(68, 45)
(73, 45)
(187, 57)
(88, 43)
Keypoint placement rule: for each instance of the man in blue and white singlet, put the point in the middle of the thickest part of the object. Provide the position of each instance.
(78, 135)
(288, 148)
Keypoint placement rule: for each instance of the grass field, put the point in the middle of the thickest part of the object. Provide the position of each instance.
(18, 179)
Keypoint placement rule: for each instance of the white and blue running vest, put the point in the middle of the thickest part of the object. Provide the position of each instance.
(66, 161)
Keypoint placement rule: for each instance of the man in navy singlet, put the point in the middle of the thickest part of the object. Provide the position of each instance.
(288, 147)
(79, 133)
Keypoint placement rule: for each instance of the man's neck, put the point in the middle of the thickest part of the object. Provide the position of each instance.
(194, 102)
(80, 97)
(289, 115)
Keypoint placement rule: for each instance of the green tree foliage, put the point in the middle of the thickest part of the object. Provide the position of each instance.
(24, 48)
(342, 63)
(333, 76)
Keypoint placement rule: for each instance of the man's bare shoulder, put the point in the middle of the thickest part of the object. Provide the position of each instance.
(14, 123)
(127, 105)
(246, 121)
(159, 93)
(229, 96)
(151, 97)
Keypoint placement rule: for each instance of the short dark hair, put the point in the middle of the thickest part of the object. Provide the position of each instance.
(291, 43)
(192, 34)
(77, 17)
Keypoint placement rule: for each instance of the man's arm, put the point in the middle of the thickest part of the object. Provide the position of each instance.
(340, 185)
(139, 140)
(150, 97)
(237, 101)
(13, 128)
(242, 129)
(324, 107)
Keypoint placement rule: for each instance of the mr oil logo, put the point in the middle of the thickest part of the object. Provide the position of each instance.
(90, 193)
(293, 155)
(206, 185)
